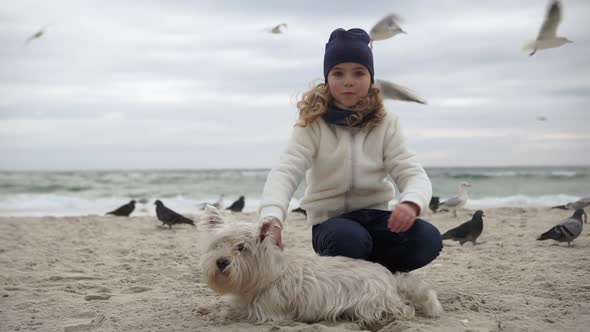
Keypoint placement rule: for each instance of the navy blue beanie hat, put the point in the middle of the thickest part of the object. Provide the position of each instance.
(348, 46)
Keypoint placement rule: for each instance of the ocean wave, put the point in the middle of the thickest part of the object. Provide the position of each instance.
(522, 174)
(59, 205)
(520, 201)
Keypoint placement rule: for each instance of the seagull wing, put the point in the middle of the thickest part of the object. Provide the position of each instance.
(386, 22)
(460, 231)
(552, 20)
(581, 203)
(397, 92)
(385, 26)
(451, 202)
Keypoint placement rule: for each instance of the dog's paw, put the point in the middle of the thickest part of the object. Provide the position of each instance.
(432, 306)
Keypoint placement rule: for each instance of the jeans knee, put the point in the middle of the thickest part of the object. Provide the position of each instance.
(428, 245)
(347, 240)
(350, 245)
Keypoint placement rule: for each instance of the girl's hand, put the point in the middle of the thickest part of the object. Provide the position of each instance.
(272, 226)
(402, 217)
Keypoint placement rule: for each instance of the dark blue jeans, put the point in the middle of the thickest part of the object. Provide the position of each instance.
(363, 234)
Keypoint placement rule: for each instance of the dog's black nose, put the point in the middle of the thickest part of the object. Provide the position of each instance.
(222, 263)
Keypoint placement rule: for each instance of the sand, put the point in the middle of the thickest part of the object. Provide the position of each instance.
(97, 273)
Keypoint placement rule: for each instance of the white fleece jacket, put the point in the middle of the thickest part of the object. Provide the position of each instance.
(347, 171)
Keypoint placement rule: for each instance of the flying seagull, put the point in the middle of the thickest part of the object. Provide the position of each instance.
(467, 231)
(547, 37)
(38, 34)
(568, 229)
(278, 29)
(456, 202)
(394, 91)
(169, 217)
(124, 210)
(386, 28)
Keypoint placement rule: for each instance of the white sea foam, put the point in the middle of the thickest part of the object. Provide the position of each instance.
(57, 205)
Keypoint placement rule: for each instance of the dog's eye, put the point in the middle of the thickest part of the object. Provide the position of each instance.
(241, 247)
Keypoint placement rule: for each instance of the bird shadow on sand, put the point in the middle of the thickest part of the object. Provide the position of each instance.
(168, 229)
(456, 244)
(561, 245)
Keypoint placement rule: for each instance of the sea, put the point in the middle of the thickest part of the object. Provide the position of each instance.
(80, 193)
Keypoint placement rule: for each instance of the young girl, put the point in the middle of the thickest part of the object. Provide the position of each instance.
(350, 144)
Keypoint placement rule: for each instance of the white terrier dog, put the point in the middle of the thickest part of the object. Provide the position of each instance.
(269, 284)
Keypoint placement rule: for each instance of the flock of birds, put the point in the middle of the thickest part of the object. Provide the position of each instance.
(169, 217)
(567, 230)
(389, 27)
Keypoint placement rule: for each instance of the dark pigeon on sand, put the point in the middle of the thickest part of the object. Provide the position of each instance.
(237, 206)
(299, 210)
(568, 229)
(468, 231)
(434, 202)
(169, 217)
(125, 210)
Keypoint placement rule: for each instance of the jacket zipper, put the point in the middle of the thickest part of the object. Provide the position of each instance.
(352, 162)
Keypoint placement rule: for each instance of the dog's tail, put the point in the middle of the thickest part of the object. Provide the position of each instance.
(420, 293)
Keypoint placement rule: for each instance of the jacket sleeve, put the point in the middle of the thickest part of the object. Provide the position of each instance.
(284, 178)
(400, 163)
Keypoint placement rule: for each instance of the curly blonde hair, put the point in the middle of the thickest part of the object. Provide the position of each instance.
(315, 102)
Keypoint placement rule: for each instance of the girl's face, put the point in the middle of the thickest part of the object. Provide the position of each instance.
(349, 82)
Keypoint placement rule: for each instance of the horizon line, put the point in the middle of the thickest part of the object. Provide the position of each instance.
(256, 168)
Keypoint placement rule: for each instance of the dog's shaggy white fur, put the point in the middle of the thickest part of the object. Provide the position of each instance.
(267, 283)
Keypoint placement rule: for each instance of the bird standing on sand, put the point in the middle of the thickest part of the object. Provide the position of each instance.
(220, 204)
(124, 210)
(238, 205)
(456, 202)
(394, 91)
(434, 203)
(579, 204)
(169, 217)
(467, 231)
(386, 28)
(299, 210)
(547, 37)
(568, 229)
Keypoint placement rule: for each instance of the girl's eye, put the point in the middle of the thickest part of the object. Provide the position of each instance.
(338, 74)
(241, 247)
(359, 73)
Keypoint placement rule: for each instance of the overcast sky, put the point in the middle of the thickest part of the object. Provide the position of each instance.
(201, 84)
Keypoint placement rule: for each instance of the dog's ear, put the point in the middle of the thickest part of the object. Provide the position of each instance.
(266, 231)
(212, 216)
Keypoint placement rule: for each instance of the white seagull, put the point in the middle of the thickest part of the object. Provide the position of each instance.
(456, 202)
(386, 28)
(394, 91)
(277, 29)
(547, 37)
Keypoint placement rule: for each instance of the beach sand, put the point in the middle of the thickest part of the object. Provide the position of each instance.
(97, 273)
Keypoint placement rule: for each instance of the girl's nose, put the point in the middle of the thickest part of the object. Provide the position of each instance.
(348, 81)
